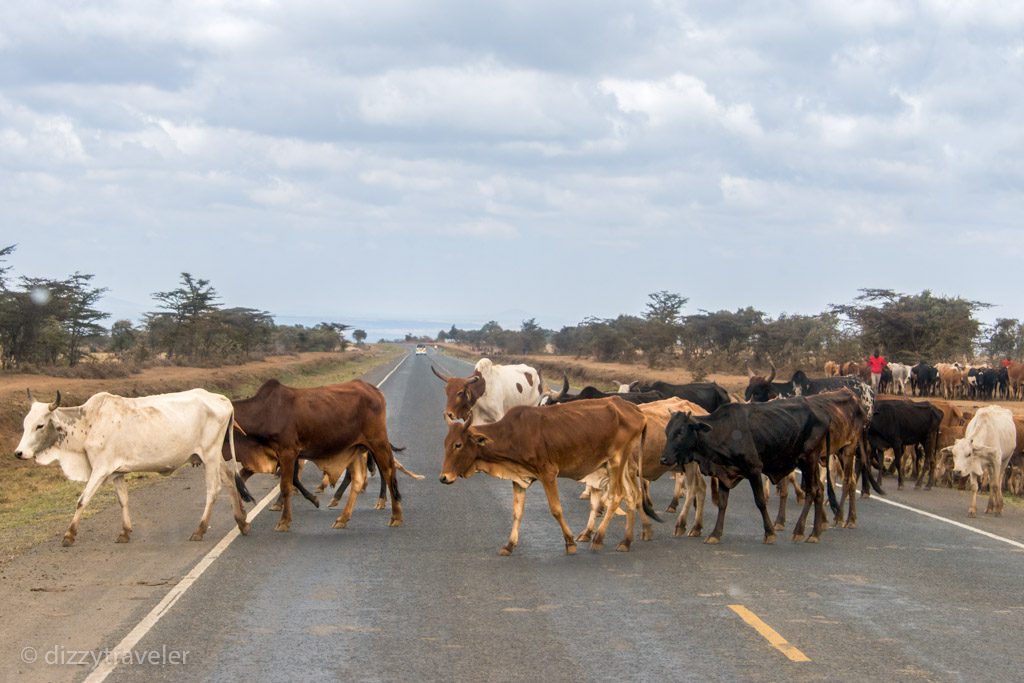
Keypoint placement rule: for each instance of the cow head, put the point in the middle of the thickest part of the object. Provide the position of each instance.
(800, 382)
(462, 447)
(550, 397)
(759, 389)
(964, 460)
(39, 430)
(462, 394)
(682, 436)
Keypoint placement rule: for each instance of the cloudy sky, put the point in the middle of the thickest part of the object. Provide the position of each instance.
(459, 161)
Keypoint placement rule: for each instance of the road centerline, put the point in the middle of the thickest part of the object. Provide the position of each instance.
(769, 634)
(124, 648)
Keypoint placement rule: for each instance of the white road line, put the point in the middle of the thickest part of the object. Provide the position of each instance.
(968, 527)
(123, 650)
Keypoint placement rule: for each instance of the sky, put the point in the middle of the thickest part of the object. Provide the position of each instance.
(465, 161)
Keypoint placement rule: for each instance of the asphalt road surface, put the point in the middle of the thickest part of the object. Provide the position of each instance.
(902, 597)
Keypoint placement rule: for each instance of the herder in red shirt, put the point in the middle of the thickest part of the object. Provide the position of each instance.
(877, 363)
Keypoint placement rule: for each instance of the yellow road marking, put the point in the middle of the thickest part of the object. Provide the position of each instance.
(769, 634)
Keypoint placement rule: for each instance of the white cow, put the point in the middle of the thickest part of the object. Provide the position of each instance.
(900, 377)
(988, 444)
(490, 392)
(109, 436)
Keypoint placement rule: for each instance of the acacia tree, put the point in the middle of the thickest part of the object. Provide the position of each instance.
(662, 328)
(1005, 339)
(914, 326)
(80, 317)
(178, 327)
(359, 336)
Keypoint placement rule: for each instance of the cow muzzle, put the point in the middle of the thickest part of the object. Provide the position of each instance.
(20, 455)
(445, 479)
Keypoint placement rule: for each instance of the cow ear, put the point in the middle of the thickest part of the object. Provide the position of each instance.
(701, 427)
(480, 439)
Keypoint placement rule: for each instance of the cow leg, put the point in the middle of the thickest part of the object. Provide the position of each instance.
(762, 505)
(555, 505)
(798, 492)
(228, 481)
(723, 503)
(95, 479)
(690, 498)
(297, 483)
(898, 453)
(699, 487)
(597, 503)
(972, 511)
(677, 491)
(212, 472)
(385, 459)
(518, 505)
(783, 489)
(850, 484)
(340, 491)
(627, 490)
(816, 491)
(646, 530)
(121, 489)
(358, 484)
(288, 465)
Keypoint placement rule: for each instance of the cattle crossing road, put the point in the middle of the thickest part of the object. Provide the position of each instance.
(903, 596)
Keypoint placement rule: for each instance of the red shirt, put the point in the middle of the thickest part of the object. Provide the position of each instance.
(1006, 362)
(877, 363)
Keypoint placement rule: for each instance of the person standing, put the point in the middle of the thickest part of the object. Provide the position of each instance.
(877, 363)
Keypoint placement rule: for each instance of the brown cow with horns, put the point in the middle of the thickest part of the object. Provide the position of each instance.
(569, 440)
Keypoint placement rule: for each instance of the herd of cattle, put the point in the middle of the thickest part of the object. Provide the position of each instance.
(501, 420)
(949, 380)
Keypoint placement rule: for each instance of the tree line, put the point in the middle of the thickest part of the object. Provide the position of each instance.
(54, 322)
(906, 327)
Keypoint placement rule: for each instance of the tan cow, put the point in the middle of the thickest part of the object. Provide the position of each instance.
(568, 440)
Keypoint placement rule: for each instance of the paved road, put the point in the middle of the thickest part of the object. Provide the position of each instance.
(903, 596)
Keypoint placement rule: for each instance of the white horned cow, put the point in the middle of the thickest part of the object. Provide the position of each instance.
(988, 444)
(491, 391)
(109, 436)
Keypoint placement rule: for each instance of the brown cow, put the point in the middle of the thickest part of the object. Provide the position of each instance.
(1016, 376)
(568, 440)
(831, 368)
(330, 425)
(487, 394)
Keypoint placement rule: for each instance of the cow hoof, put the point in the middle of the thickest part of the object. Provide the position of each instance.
(584, 537)
(780, 525)
(506, 550)
(769, 540)
(679, 531)
(647, 535)
(69, 539)
(694, 532)
(797, 538)
(622, 547)
(812, 539)
(712, 540)
(380, 504)
(334, 503)
(972, 514)
(244, 528)
(670, 508)
(282, 526)
(339, 524)
(570, 549)
(276, 507)
(596, 545)
(196, 537)
(839, 524)
(395, 522)
(123, 538)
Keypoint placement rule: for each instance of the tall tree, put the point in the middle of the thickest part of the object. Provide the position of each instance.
(184, 309)
(80, 316)
(4, 269)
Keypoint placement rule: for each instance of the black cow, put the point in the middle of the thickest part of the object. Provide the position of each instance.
(805, 386)
(745, 440)
(924, 379)
(707, 395)
(588, 392)
(761, 389)
(898, 423)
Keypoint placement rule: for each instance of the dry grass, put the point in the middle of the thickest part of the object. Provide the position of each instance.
(36, 502)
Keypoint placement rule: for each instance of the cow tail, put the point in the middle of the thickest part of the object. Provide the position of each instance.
(869, 479)
(833, 502)
(397, 449)
(243, 490)
(645, 493)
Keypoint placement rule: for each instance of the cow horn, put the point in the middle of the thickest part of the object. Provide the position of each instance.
(750, 373)
(30, 396)
(474, 378)
(55, 404)
(771, 376)
(443, 378)
(565, 387)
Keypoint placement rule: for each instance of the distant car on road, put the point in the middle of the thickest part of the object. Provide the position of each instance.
(421, 349)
